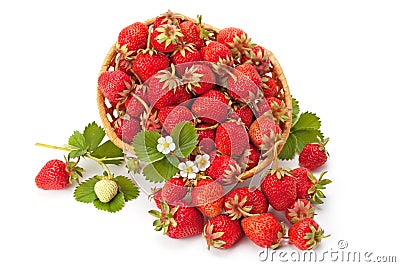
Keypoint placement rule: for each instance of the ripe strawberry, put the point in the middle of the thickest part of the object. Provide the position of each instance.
(269, 86)
(148, 64)
(149, 121)
(243, 202)
(168, 17)
(246, 84)
(212, 107)
(306, 234)
(134, 37)
(174, 189)
(106, 190)
(280, 189)
(208, 197)
(191, 34)
(300, 210)
(216, 52)
(184, 54)
(244, 113)
(179, 221)
(251, 157)
(278, 108)
(198, 79)
(112, 85)
(261, 107)
(172, 115)
(136, 105)
(127, 129)
(258, 57)
(224, 169)
(222, 232)
(263, 132)
(231, 138)
(206, 137)
(53, 176)
(314, 155)
(166, 38)
(236, 40)
(263, 229)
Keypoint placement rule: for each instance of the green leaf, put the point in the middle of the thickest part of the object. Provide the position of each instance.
(126, 186)
(307, 120)
(77, 140)
(161, 170)
(85, 191)
(185, 136)
(289, 149)
(295, 110)
(93, 134)
(145, 146)
(108, 150)
(116, 204)
(306, 136)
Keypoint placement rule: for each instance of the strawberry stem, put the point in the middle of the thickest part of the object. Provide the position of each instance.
(53, 147)
(278, 143)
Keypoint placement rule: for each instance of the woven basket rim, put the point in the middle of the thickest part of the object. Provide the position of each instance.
(277, 69)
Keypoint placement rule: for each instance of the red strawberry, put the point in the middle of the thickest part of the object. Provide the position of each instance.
(269, 86)
(246, 84)
(136, 105)
(212, 107)
(258, 57)
(278, 108)
(53, 176)
(165, 38)
(156, 196)
(168, 17)
(216, 52)
(222, 232)
(243, 202)
(172, 115)
(300, 210)
(314, 155)
(179, 221)
(148, 64)
(150, 121)
(264, 230)
(252, 157)
(261, 107)
(235, 39)
(199, 79)
(231, 138)
(184, 54)
(191, 34)
(280, 189)
(134, 36)
(127, 129)
(206, 137)
(306, 234)
(174, 189)
(244, 113)
(112, 85)
(263, 132)
(208, 197)
(224, 169)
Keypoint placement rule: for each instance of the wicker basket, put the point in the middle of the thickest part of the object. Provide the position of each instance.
(108, 116)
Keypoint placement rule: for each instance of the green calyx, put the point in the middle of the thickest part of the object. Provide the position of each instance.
(165, 217)
(213, 239)
(237, 209)
(169, 79)
(279, 236)
(168, 34)
(232, 175)
(191, 78)
(300, 211)
(319, 184)
(314, 237)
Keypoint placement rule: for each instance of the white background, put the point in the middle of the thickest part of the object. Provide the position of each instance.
(341, 59)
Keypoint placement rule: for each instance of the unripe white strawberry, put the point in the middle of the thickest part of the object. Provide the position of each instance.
(106, 190)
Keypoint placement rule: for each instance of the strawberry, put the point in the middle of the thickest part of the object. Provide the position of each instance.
(185, 53)
(236, 40)
(178, 221)
(306, 234)
(206, 137)
(208, 197)
(112, 85)
(231, 138)
(191, 34)
(174, 189)
(168, 17)
(263, 229)
(224, 169)
(134, 36)
(314, 155)
(165, 38)
(269, 86)
(156, 196)
(127, 129)
(246, 83)
(263, 132)
(149, 121)
(212, 107)
(278, 108)
(216, 52)
(258, 57)
(222, 232)
(308, 186)
(252, 157)
(172, 115)
(106, 190)
(260, 107)
(244, 113)
(53, 176)
(243, 202)
(199, 79)
(148, 64)
(137, 104)
(280, 189)
(300, 210)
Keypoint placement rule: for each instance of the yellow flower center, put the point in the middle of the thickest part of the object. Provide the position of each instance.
(166, 145)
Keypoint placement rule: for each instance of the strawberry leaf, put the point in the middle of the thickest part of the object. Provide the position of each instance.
(161, 170)
(108, 150)
(289, 149)
(145, 146)
(85, 191)
(185, 138)
(116, 204)
(306, 136)
(126, 186)
(93, 134)
(307, 120)
(78, 144)
(295, 110)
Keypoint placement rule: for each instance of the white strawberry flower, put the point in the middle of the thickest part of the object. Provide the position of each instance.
(188, 169)
(202, 162)
(165, 145)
